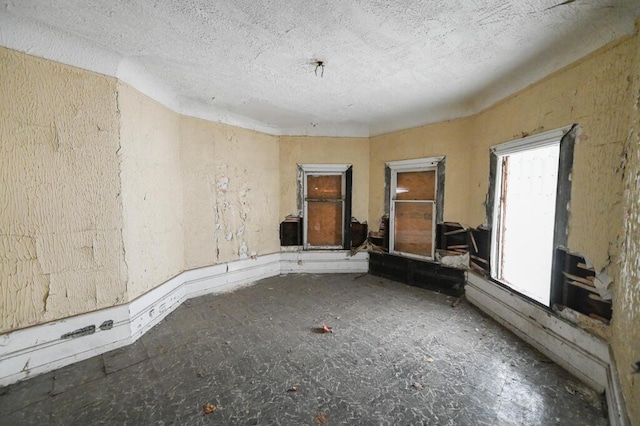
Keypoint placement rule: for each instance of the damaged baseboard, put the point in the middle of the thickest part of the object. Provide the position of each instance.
(578, 352)
(615, 400)
(35, 350)
(39, 349)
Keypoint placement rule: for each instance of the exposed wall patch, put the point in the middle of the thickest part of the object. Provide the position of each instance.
(107, 325)
(84, 331)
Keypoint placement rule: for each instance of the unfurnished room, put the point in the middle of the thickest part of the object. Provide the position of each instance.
(319, 212)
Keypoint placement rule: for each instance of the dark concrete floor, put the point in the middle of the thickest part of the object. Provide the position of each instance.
(398, 355)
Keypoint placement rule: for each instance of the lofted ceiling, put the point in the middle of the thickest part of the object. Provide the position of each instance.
(387, 65)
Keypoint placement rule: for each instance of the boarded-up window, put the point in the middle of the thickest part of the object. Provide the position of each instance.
(416, 186)
(324, 226)
(324, 187)
(326, 197)
(413, 205)
(414, 228)
(325, 210)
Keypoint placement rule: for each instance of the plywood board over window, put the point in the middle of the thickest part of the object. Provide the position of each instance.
(326, 192)
(414, 228)
(415, 202)
(416, 185)
(324, 223)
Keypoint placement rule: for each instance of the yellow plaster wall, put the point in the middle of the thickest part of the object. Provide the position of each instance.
(626, 324)
(61, 250)
(231, 192)
(296, 150)
(450, 139)
(595, 92)
(151, 190)
(592, 93)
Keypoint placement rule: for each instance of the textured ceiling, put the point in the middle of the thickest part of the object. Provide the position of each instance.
(388, 64)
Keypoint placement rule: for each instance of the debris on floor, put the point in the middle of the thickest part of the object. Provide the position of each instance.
(417, 386)
(352, 377)
(293, 389)
(322, 330)
(367, 246)
(209, 408)
(594, 326)
(457, 301)
(429, 359)
(320, 418)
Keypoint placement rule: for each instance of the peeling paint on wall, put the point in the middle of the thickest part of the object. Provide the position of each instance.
(626, 308)
(151, 190)
(595, 93)
(61, 250)
(231, 183)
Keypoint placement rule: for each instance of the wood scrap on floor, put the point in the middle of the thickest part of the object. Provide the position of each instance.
(367, 246)
(457, 301)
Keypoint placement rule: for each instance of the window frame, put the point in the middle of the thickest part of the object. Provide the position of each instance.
(566, 137)
(343, 170)
(414, 165)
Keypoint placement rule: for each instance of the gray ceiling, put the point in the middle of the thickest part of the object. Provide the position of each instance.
(388, 65)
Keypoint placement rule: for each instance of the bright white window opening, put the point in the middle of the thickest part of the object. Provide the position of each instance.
(412, 207)
(324, 192)
(524, 214)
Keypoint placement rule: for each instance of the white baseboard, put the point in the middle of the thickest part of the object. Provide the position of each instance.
(577, 351)
(39, 349)
(323, 262)
(229, 276)
(35, 350)
(615, 401)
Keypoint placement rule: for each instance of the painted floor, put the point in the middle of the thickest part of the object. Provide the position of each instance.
(398, 355)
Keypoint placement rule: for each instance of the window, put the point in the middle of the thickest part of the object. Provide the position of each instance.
(326, 205)
(529, 195)
(415, 196)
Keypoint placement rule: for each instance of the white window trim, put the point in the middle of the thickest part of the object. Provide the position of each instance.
(413, 165)
(321, 170)
(530, 142)
(540, 140)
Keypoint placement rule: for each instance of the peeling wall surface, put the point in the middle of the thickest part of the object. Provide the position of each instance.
(106, 194)
(450, 139)
(595, 93)
(61, 250)
(592, 93)
(151, 190)
(297, 150)
(626, 324)
(231, 197)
